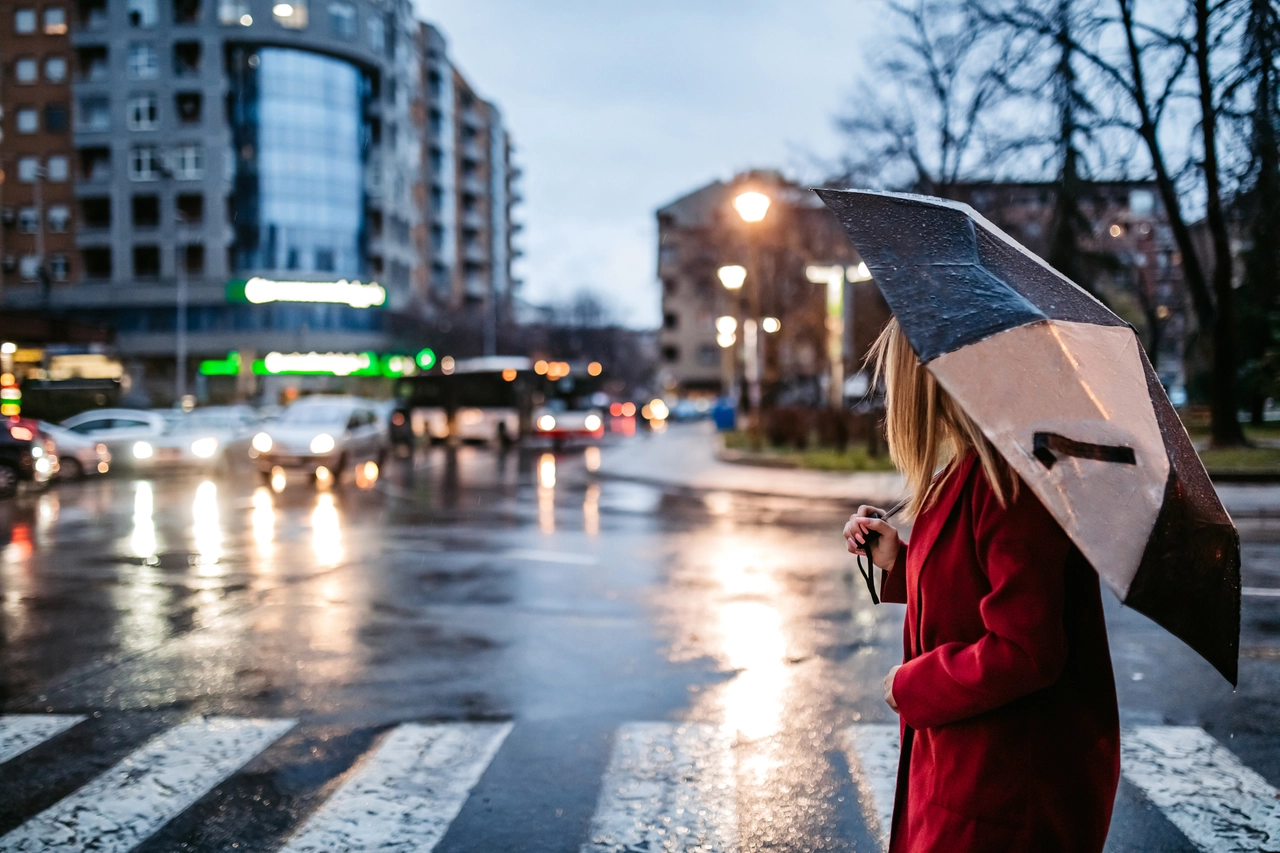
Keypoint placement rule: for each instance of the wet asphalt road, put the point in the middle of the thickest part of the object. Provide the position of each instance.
(518, 602)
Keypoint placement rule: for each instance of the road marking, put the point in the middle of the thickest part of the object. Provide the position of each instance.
(872, 750)
(20, 732)
(668, 788)
(1260, 591)
(553, 557)
(1219, 804)
(127, 804)
(403, 797)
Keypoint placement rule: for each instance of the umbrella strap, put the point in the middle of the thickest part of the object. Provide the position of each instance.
(868, 575)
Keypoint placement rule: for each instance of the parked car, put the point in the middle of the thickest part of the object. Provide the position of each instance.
(25, 455)
(213, 436)
(78, 455)
(129, 434)
(323, 436)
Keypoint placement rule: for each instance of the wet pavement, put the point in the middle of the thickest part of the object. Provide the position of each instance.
(493, 651)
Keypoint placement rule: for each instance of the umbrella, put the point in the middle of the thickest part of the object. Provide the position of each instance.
(1063, 389)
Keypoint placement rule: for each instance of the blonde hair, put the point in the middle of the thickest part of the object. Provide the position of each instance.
(925, 427)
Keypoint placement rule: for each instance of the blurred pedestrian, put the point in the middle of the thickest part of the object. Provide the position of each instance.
(1006, 698)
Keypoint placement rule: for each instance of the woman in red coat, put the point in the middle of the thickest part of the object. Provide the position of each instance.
(1010, 730)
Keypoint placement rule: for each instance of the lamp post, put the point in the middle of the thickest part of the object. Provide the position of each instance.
(752, 207)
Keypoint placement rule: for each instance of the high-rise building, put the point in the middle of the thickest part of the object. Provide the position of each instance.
(248, 176)
(37, 243)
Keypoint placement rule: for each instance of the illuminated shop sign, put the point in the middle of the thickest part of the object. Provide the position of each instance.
(315, 364)
(260, 290)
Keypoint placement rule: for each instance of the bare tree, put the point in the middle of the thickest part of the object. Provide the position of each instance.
(922, 128)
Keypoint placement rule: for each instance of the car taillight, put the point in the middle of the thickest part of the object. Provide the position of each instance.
(21, 433)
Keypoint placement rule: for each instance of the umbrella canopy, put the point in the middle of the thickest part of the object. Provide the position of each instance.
(1063, 389)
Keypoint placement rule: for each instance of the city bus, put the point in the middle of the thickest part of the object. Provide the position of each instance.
(487, 400)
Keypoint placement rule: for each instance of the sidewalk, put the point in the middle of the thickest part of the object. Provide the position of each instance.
(684, 458)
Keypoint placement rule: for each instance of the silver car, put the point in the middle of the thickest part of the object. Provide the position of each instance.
(327, 437)
(78, 455)
(129, 434)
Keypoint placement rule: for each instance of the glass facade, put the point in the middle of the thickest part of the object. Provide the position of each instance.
(300, 137)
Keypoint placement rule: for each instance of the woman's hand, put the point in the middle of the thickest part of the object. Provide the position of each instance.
(885, 550)
(888, 688)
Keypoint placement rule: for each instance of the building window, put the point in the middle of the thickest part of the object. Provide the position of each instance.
(232, 12)
(55, 118)
(188, 162)
(144, 64)
(28, 220)
(55, 21)
(95, 212)
(144, 164)
(186, 59)
(28, 120)
(26, 70)
(192, 258)
(143, 13)
(342, 20)
(189, 208)
(146, 261)
(143, 113)
(1141, 202)
(95, 164)
(93, 14)
(24, 21)
(92, 62)
(670, 321)
(189, 107)
(324, 260)
(290, 13)
(708, 355)
(671, 354)
(59, 267)
(59, 218)
(57, 170)
(186, 11)
(28, 169)
(95, 113)
(55, 69)
(97, 262)
(30, 267)
(146, 211)
(377, 32)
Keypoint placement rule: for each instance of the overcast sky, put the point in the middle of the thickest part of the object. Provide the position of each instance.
(617, 108)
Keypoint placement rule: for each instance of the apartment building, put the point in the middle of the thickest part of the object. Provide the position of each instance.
(210, 143)
(37, 195)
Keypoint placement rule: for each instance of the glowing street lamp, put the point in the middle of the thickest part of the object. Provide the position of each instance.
(751, 206)
(732, 276)
(770, 325)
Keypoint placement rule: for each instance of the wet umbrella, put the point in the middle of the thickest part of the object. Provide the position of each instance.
(1062, 387)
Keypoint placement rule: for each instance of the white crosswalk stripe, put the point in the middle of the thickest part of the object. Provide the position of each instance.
(872, 752)
(668, 788)
(404, 796)
(128, 803)
(20, 732)
(1219, 804)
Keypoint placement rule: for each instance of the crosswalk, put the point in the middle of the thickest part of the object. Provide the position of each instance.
(670, 787)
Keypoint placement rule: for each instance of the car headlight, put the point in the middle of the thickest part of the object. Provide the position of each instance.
(37, 451)
(262, 442)
(546, 423)
(322, 443)
(204, 447)
(142, 450)
(42, 465)
(591, 422)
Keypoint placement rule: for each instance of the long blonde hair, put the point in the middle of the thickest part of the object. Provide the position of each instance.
(925, 427)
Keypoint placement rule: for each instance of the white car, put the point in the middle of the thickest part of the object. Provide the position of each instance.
(129, 434)
(558, 423)
(207, 437)
(322, 436)
(78, 455)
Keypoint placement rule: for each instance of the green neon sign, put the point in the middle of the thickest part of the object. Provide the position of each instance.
(426, 359)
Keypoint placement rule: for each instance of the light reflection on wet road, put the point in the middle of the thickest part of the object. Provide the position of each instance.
(472, 585)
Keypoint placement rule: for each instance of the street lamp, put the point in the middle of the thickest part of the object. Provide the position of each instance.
(751, 206)
(732, 276)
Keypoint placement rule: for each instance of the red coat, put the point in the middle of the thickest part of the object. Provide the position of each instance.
(1010, 730)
